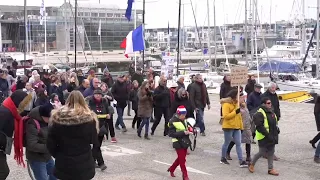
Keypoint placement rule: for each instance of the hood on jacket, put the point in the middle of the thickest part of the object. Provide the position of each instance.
(68, 117)
(226, 100)
(35, 114)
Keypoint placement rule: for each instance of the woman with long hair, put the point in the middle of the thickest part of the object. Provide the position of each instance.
(42, 97)
(72, 132)
(73, 82)
(317, 118)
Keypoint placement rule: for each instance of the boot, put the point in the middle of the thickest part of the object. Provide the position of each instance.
(139, 134)
(313, 144)
(171, 173)
(273, 172)
(103, 167)
(317, 160)
(185, 178)
(228, 157)
(251, 168)
(146, 137)
(124, 129)
(248, 159)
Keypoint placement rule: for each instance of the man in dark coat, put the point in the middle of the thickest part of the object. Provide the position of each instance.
(225, 86)
(199, 99)
(94, 84)
(271, 93)
(107, 78)
(137, 76)
(120, 93)
(8, 114)
(180, 83)
(254, 99)
(84, 85)
(250, 85)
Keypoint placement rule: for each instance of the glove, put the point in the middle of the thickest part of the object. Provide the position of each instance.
(278, 129)
(238, 111)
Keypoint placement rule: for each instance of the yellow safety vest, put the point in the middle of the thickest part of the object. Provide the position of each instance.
(100, 116)
(260, 136)
(179, 127)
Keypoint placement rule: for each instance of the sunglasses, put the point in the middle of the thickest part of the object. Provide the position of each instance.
(268, 103)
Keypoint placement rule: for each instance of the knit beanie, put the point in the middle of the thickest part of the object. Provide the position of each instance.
(45, 110)
(181, 110)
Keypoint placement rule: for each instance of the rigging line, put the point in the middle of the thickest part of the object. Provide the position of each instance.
(195, 21)
(75, 46)
(237, 17)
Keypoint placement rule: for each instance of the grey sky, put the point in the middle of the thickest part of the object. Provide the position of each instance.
(160, 12)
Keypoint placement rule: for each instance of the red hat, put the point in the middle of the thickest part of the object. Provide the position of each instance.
(181, 110)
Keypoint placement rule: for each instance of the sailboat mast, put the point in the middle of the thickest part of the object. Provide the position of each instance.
(246, 31)
(143, 22)
(209, 33)
(75, 33)
(252, 28)
(45, 37)
(26, 38)
(135, 26)
(318, 38)
(67, 32)
(179, 29)
(303, 34)
(215, 35)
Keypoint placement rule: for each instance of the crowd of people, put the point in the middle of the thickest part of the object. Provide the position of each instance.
(67, 116)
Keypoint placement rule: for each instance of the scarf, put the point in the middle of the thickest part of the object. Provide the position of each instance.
(203, 92)
(18, 131)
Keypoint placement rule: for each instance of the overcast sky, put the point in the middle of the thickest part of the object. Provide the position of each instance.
(160, 12)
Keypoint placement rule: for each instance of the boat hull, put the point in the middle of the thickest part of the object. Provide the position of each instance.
(289, 86)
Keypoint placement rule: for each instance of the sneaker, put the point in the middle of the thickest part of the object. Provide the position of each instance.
(146, 137)
(248, 159)
(228, 157)
(251, 168)
(124, 130)
(103, 167)
(273, 172)
(317, 160)
(203, 134)
(243, 164)
(313, 144)
(113, 140)
(224, 161)
(117, 128)
(275, 158)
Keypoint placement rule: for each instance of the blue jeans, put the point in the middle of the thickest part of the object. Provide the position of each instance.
(43, 170)
(228, 135)
(120, 118)
(318, 150)
(200, 120)
(144, 122)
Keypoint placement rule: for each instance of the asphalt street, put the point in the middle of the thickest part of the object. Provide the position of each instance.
(133, 158)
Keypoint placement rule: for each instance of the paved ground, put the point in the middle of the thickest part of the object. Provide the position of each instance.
(133, 158)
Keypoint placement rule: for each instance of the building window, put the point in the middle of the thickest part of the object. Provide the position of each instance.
(94, 14)
(109, 15)
(102, 14)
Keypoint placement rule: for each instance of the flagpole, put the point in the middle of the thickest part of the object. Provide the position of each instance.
(179, 26)
(143, 22)
(25, 40)
(75, 33)
(29, 27)
(45, 36)
(135, 26)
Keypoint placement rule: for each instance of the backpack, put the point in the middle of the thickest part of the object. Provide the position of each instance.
(25, 120)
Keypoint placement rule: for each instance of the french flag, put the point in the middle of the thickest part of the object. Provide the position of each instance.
(134, 41)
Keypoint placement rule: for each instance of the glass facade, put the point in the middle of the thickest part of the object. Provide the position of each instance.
(60, 28)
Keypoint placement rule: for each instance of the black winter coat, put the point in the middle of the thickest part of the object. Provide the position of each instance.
(36, 149)
(225, 88)
(137, 77)
(161, 97)
(275, 102)
(120, 93)
(183, 140)
(108, 80)
(103, 106)
(6, 125)
(69, 141)
(316, 113)
(271, 137)
(181, 102)
(133, 97)
(253, 101)
(250, 86)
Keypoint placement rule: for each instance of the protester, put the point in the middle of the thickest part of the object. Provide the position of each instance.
(161, 101)
(267, 134)
(37, 153)
(57, 89)
(99, 105)
(173, 90)
(129, 88)
(317, 118)
(33, 74)
(54, 100)
(4, 85)
(192, 79)
(181, 99)
(72, 131)
(199, 99)
(250, 87)
(180, 82)
(254, 99)
(107, 78)
(231, 126)
(10, 122)
(73, 82)
(120, 93)
(225, 87)
(80, 76)
(46, 80)
(92, 74)
(246, 137)
(272, 95)
(144, 108)
(21, 82)
(180, 139)
(84, 85)
(133, 97)
(137, 76)
(42, 98)
(94, 84)
(31, 104)
(106, 93)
